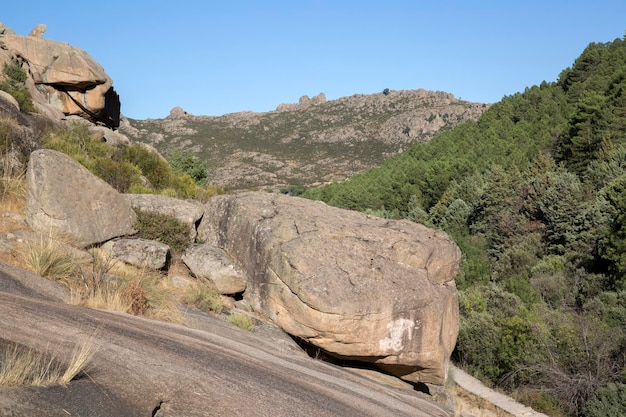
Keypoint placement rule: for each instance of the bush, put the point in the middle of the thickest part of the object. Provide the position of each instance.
(14, 85)
(241, 320)
(163, 228)
(610, 401)
(119, 175)
(206, 298)
(153, 167)
(187, 163)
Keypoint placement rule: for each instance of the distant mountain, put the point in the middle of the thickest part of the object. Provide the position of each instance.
(307, 143)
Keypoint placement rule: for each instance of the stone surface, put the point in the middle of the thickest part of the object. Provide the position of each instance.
(187, 211)
(356, 286)
(142, 253)
(65, 197)
(64, 77)
(210, 262)
(143, 367)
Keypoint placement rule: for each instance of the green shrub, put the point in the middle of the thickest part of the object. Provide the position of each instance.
(190, 164)
(241, 320)
(610, 401)
(166, 229)
(206, 298)
(120, 175)
(14, 85)
(153, 167)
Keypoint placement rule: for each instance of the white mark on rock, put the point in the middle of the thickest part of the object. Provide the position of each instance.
(397, 329)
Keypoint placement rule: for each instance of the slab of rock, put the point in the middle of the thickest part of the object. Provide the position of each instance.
(63, 196)
(210, 262)
(356, 286)
(142, 253)
(187, 211)
(144, 367)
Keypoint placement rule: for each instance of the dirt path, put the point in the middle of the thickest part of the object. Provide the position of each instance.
(501, 401)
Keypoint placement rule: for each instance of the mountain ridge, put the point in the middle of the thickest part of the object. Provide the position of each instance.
(311, 142)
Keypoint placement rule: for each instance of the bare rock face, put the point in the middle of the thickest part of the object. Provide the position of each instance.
(65, 197)
(213, 263)
(356, 286)
(187, 211)
(142, 253)
(64, 77)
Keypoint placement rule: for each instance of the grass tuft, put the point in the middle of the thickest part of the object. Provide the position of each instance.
(46, 256)
(241, 320)
(26, 366)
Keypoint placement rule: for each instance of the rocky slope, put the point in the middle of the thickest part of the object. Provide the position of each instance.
(311, 142)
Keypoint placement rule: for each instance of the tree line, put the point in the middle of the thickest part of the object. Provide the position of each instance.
(534, 194)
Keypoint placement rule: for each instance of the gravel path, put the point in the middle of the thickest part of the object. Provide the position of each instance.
(474, 386)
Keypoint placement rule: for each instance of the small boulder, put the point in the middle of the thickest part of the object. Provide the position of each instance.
(64, 196)
(141, 253)
(213, 263)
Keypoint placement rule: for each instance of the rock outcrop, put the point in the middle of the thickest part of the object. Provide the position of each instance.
(62, 77)
(356, 286)
(64, 197)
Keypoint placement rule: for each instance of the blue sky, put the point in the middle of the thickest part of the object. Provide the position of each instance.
(218, 57)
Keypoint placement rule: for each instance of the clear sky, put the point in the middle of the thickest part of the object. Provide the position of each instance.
(218, 57)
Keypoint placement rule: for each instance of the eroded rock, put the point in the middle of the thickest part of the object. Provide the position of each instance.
(63, 196)
(63, 77)
(356, 286)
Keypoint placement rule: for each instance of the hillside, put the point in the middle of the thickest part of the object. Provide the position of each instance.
(309, 143)
(534, 193)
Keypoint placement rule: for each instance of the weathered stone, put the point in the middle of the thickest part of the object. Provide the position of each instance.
(110, 136)
(65, 197)
(187, 211)
(356, 286)
(213, 263)
(65, 77)
(38, 30)
(8, 98)
(142, 253)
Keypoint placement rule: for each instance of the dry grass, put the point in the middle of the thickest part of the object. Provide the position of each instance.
(25, 366)
(46, 255)
(114, 285)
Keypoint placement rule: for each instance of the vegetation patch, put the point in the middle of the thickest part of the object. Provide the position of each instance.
(14, 83)
(205, 297)
(25, 366)
(241, 320)
(163, 228)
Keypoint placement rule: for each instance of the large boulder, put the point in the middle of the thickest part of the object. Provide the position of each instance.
(356, 286)
(64, 77)
(63, 196)
(188, 212)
